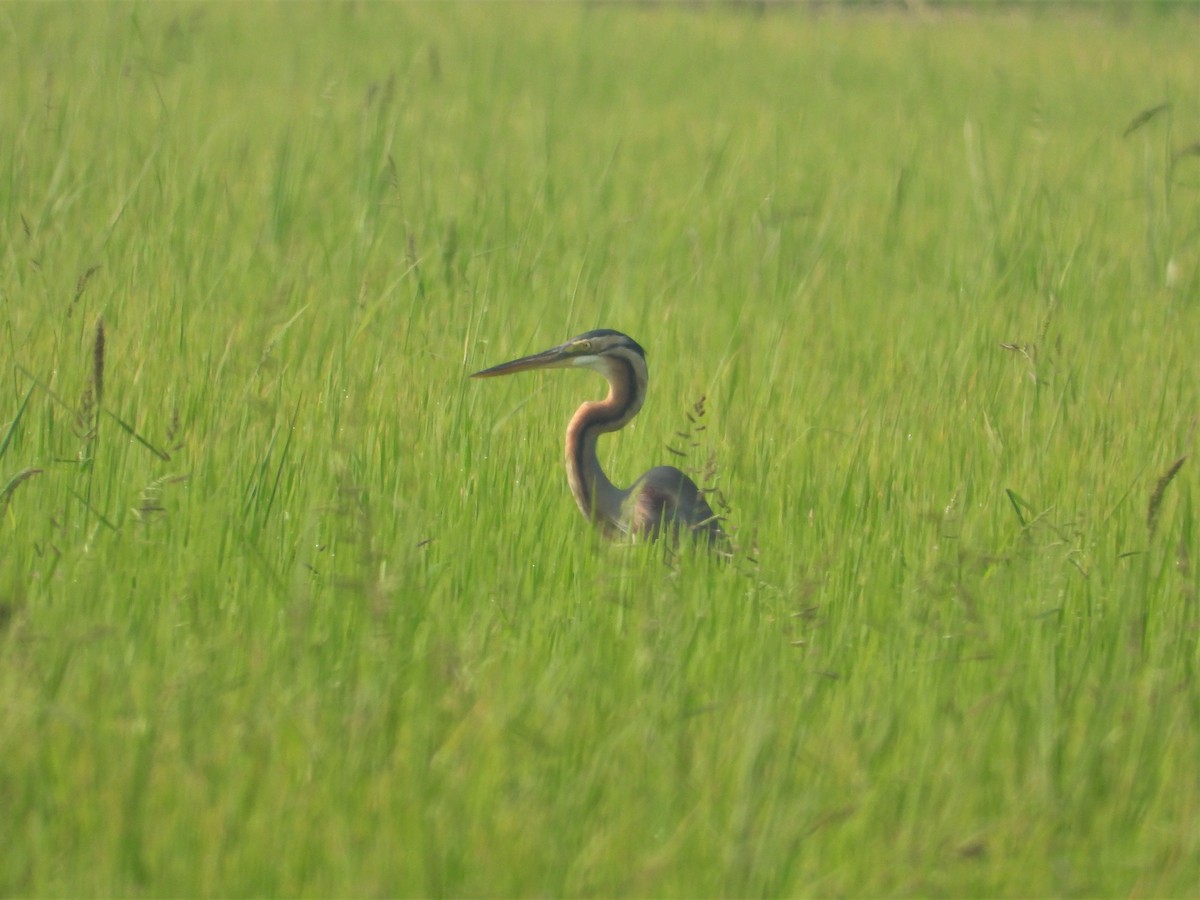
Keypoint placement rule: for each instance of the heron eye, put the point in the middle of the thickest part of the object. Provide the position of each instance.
(583, 346)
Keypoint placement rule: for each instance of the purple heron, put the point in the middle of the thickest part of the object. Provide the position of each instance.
(664, 501)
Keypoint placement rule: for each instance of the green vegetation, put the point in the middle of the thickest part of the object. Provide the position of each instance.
(290, 606)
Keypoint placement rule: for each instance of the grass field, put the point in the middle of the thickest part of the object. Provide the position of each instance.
(288, 605)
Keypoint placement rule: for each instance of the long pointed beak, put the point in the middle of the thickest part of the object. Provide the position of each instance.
(545, 360)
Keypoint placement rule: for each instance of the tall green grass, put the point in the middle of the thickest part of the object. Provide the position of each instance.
(289, 606)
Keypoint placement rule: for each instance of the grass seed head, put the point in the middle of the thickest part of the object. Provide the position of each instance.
(1156, 497)
(98, 363)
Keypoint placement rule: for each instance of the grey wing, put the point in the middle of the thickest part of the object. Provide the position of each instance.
(667, 499)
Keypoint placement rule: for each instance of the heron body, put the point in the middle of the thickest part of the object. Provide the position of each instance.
(664, 501)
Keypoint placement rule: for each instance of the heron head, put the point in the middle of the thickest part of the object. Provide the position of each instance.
(590, 350)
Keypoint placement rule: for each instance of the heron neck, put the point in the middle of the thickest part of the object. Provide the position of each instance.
(598, 498)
